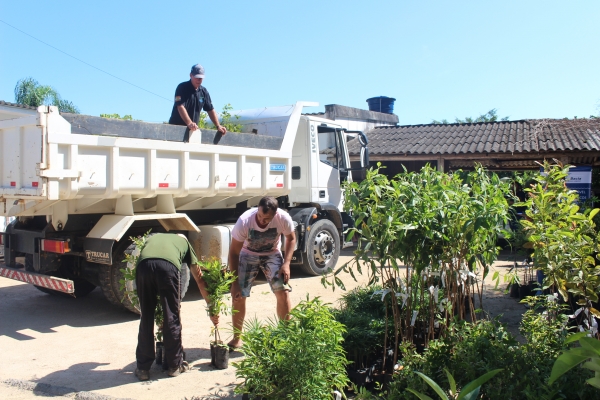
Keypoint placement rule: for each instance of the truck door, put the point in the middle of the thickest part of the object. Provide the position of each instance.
(332, 167)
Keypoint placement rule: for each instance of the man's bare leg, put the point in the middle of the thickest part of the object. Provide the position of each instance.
(239, 313)
(284, 305)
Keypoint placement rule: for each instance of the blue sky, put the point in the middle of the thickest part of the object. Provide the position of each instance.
(439, 59)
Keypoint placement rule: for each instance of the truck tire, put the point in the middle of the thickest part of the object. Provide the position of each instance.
(82, 286)
(111, 276)
(322, 248)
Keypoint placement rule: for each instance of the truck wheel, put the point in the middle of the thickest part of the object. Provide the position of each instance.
(322, 248)
(82, 286)
(111, 276)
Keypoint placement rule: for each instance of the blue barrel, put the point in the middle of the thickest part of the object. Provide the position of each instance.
(381, 104)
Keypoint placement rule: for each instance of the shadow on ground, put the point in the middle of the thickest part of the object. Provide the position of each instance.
(93, 376)
(25, 307)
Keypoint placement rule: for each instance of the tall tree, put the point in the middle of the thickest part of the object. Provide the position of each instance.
(29, 92)
(490, 116)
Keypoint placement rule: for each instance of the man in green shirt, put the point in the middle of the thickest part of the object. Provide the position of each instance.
(158, 274)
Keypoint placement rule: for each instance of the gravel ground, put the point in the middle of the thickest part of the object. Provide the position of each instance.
(85, 348)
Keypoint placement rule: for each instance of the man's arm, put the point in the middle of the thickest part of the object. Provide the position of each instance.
(212, 114)
(234, 261)
(290, 244)
(186, 118)
(197, 274)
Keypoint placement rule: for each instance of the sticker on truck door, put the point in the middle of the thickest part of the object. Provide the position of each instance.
(277, 167)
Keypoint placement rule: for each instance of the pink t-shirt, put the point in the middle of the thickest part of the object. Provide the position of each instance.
(262, 241)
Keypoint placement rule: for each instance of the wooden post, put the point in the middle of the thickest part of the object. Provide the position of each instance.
(440, 164)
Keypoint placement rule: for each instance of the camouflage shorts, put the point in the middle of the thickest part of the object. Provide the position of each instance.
(270, 266)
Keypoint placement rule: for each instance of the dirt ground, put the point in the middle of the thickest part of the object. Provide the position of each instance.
(85, 348)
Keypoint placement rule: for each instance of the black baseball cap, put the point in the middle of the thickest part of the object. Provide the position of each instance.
(198, 71)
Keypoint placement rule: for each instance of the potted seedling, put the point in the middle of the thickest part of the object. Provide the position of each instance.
(218, 282)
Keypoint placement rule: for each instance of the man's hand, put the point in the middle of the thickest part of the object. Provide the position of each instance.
(284, 272)
(236, 290)
(215, 320)
(214, 118)
(192, 126)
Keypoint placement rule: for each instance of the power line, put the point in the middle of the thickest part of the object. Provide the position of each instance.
(86, 63)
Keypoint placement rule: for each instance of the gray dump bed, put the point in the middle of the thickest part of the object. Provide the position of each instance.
(90, 125)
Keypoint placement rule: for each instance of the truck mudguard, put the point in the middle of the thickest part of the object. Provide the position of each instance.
(98, 250)
(334, 214)
(303, 217)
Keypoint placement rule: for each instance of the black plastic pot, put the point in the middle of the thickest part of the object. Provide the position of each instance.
(221, 355)
(389, 362)
(420, 347)
(159, 352)
(524, 291)
(514, 290)
(165, 364)
(360, 377)
(535, 288)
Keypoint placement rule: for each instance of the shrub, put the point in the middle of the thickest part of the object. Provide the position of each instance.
(470, 350)
(443, 227)
(300, 358)
(564, 241)
(362, 312)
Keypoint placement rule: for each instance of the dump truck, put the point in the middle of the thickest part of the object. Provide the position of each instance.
(78, 188)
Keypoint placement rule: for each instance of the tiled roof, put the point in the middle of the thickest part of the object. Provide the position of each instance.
(6, 103)
(526, 136)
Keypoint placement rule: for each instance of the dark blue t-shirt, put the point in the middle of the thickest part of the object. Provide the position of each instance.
(193, 100)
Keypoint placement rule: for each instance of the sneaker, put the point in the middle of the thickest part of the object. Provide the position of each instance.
(173, 372)
(142, 374)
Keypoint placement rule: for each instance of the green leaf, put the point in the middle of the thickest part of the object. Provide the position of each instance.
(419, 395)
(471, 386)
(595, 382)
(593, 365)
(575, 337)
(472, 395)
(592, 345)
(451, 381)
(433, 385)
(564, 363)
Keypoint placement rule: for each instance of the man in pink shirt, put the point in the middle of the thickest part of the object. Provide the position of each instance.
(255, 245)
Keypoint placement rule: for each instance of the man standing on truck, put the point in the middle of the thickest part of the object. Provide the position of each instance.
(158, 274)
(256, 244)
(190, 99)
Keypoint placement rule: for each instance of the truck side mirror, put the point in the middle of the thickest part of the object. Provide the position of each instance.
(364, 157)
(362, 138)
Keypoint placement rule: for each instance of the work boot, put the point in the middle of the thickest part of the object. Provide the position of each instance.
(173, 372)
(142, 374)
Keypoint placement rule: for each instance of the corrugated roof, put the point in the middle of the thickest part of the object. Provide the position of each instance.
(6, 103)
(526, 136)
